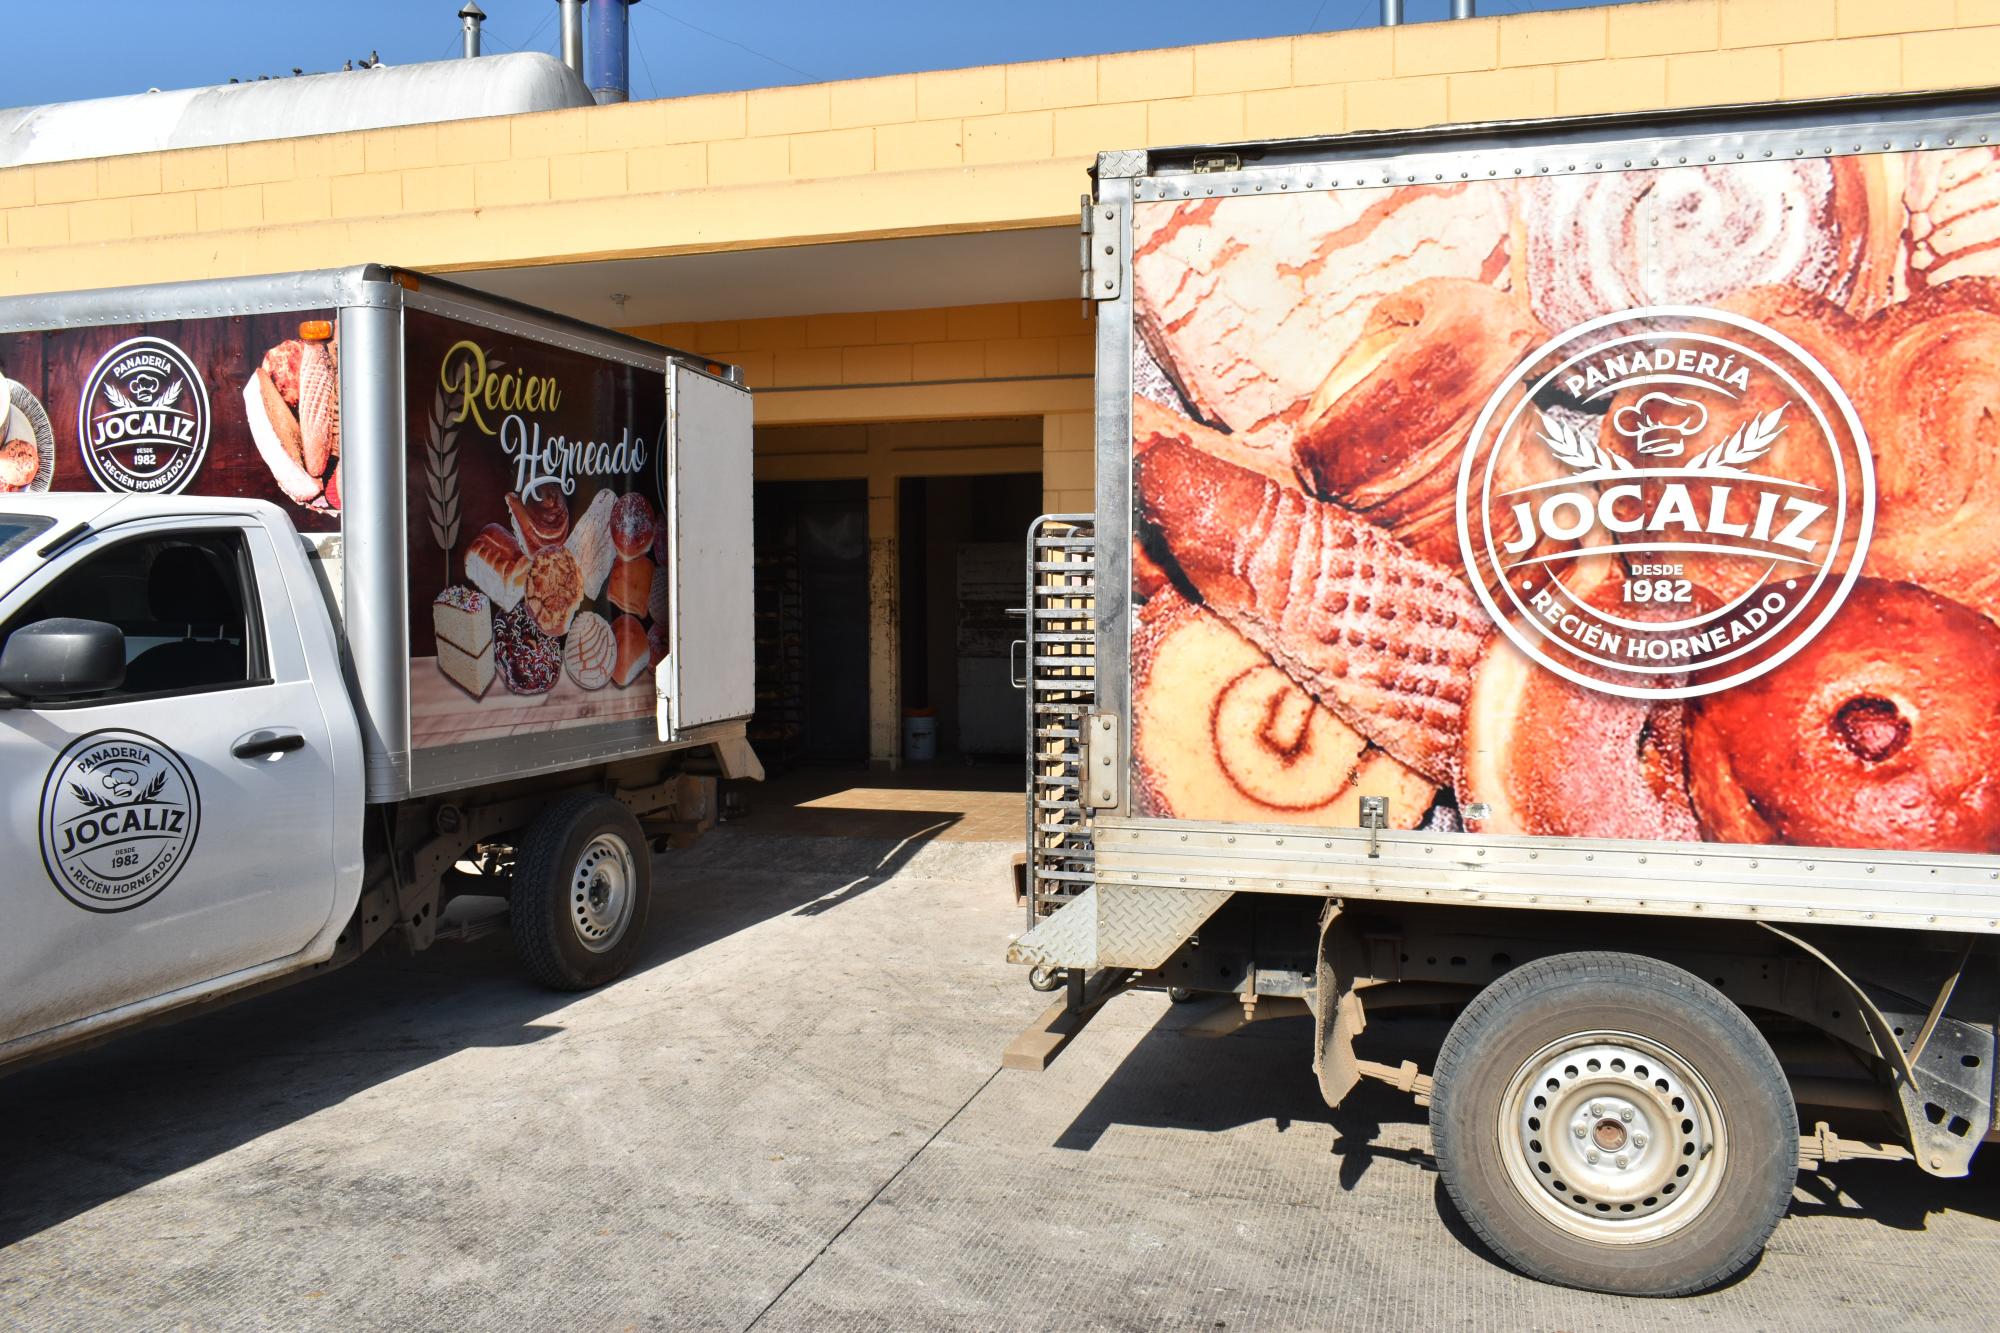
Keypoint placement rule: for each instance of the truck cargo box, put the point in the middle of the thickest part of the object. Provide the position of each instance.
(535, 533)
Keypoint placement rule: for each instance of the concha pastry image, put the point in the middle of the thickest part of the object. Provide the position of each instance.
(1248, 304)
(1600, 243)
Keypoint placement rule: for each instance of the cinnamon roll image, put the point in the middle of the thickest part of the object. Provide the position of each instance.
(1884, 731)
(1692, 235)
(1951, 203)
(1247, 303)
(1383, 433)
(1931, 405)
(1796, 452)
(1219, 732)
(1384, 639)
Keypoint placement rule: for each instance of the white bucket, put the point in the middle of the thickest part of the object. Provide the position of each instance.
(919, 737)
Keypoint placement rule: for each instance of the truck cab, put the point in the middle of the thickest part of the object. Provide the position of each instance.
(186, 789)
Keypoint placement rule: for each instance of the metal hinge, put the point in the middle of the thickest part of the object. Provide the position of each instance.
(1100, 761)
(1101, 239)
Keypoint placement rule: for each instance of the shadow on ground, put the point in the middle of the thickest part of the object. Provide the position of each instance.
(92, 1126)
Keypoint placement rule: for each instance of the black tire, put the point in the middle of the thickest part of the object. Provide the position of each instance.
(561, 870)
(1522, 1050)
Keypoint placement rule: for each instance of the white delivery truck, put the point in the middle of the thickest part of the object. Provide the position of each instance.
(328, 597)
(1550, 573)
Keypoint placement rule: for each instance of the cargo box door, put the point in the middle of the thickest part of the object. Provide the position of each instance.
(710, 675)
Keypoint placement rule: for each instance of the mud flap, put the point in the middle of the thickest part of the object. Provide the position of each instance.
(1337, 1014)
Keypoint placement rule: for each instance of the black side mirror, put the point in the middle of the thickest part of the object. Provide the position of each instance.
(63, 658)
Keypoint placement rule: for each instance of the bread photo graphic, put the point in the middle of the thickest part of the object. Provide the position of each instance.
(462, 619)
(590, 542)
(293, 406)
(1304, 631)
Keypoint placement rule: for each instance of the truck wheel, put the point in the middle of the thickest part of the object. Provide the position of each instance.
(1608, 1121)
(582, 879)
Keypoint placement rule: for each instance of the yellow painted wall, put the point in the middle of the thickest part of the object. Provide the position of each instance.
(953, 150)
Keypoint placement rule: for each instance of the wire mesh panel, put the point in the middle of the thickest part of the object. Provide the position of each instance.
(1062, 689)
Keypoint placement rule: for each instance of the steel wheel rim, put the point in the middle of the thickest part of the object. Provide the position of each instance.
(1612, 1137)
(601, 892)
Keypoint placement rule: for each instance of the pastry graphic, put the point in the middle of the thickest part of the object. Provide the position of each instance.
(1383, 638)
(1248, 304)
(630, 587)
(1219, 732)
(590, 542)
(292, 403)
(632, 525)
(462, 619)
(540, 520)
(27, 443)
(657, 645)
(590, 654)
(528, 661)
(1694, 235)
(554, 590)
(634, 653)
(496, 565)
(1884, 731)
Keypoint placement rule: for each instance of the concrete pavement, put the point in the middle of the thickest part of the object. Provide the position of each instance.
(791, 1116)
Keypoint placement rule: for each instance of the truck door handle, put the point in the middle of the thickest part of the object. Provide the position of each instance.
(267, 742)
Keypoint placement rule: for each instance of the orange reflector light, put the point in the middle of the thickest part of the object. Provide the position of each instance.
(316, 330)
(407, 281)
(716, 369)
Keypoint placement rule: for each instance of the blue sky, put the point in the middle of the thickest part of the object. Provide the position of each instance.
(66, 49)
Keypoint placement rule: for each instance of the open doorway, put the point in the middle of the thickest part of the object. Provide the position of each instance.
(812, 623)
(961, 542)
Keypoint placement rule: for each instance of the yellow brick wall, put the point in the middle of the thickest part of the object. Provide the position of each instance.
(973, 149)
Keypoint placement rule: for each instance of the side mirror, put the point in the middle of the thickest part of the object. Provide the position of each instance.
(63, 658)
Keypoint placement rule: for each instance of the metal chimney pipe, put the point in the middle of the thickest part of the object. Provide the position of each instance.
(1462, 9)
(1392, 13)
(607, 52)
(471, 16)
(571, 22)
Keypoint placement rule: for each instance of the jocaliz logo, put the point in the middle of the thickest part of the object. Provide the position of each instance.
(143, 418)
(119, 816)
(1665, 502)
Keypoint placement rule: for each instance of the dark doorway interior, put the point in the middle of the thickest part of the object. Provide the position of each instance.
(962, 540)
(812, 622)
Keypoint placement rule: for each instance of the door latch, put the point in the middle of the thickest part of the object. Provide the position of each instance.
(1375, 818)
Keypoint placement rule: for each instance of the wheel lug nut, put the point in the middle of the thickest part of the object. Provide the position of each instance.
(1638, 1140)
(1590, 1156)
(1596, 1109)
(1626, 1115)
(1621, 1163)
(1579, 1131)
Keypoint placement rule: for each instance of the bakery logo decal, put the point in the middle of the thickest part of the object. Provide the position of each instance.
(1716, 456)
(119, 814)
(143, 418)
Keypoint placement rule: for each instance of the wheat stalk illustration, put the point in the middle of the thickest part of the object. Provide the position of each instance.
(441, 478)
(1573, 449)
(118, 400)
(89, 797)
(172, 395)
(153, 788)
(1750, 442)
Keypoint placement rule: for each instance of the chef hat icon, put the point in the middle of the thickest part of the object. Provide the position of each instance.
(1661, 423)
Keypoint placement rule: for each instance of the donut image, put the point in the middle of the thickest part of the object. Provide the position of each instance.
(27, 443)
(1884, 731)
(529, 661)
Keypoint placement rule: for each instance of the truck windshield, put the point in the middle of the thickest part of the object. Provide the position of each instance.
(16, 529)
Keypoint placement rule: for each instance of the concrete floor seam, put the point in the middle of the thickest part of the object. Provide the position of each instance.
(880, 1190)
